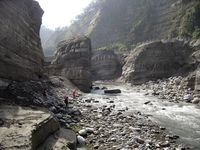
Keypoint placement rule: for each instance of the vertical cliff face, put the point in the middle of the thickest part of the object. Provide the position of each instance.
(21, 55)
(157, 60)
(105, 65)
(73, 61)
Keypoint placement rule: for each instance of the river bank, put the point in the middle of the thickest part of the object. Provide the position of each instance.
(129, 120)
(124, 121)
(137, 115)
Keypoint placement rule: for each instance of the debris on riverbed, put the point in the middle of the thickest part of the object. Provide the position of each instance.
(173, 89)
(113, 130)
(114, 91)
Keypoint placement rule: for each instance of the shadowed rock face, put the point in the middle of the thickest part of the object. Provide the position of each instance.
(73, 60)
(158, 60)
(21, 55)
(106, 65)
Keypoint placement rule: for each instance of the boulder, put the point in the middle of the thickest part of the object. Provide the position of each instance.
(25, 128)
(73, 61)
(114, 91)
(82, 132)
(157, 60)
(106, 65)
(196, 100)
(21, 56)
(61, 139)
(81, 140)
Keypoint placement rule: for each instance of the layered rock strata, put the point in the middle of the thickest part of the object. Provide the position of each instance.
(73, 61)
(105, 65)
(159, 59)
(24, 128)
(21, 55)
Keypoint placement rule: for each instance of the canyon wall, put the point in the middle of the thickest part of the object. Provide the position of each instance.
(157, 60)
(21, 55)
(73, 61)
(106, 65)
(128, 22)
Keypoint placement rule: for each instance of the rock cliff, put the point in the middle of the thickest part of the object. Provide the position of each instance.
(129, 22)
(21, 55)
(24, 128)
(157, 60)
(106, 65)
(73, 61)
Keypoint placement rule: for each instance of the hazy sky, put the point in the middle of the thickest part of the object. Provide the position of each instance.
(59, 13)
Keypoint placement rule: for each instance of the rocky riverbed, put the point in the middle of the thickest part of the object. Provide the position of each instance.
(130, 120)
(110, 129)
(174, 89)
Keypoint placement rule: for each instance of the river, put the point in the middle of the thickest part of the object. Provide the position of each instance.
(182, 119)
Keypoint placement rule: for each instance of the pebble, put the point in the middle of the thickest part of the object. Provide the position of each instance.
(139, 140)
(81, 140)
(89, 130)
(165, 144)
(147, 102)
(187, 97)
(196, 100)
(82, 132)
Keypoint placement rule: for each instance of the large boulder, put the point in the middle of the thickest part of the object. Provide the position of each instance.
(21, 55)
(106, 65)
(158, 59)
(73, 61)
(25, 128)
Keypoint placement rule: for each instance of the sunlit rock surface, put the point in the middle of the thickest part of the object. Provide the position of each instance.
(73, 60)
(159, 59)
(21, 55)
(24, 128)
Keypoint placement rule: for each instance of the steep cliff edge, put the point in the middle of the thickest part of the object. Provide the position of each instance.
(128, 22)
(21, 55)
(157, 60)
(73, 61)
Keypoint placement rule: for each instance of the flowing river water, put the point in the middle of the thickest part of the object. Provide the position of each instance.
(181, 119)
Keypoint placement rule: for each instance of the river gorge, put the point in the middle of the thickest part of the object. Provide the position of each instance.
(125, 75)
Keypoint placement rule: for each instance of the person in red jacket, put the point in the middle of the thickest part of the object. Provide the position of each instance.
(74, 93)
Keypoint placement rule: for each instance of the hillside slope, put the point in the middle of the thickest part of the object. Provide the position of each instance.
(128, 22)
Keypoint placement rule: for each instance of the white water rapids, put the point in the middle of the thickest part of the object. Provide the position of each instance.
(181, 119)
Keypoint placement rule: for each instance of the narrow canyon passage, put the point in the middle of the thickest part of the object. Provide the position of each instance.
(181, 119)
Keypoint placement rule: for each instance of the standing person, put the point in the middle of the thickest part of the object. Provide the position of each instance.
(66, 101)
(44, 93)
(74, 94)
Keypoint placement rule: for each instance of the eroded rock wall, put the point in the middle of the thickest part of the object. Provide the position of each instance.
(73, 61)
(21, 55)
(106, 65)
(157, 60)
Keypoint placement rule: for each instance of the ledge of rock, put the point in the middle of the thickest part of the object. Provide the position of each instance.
(73, 61)
(21, 55)
(105, 65)
(62, 139)
(24, 128)
(159, 59)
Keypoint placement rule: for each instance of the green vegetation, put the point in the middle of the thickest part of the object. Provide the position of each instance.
(120, 47)
(116, 47)
(117, 24)
(135, 25)
(190, 22)
(196, 33)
